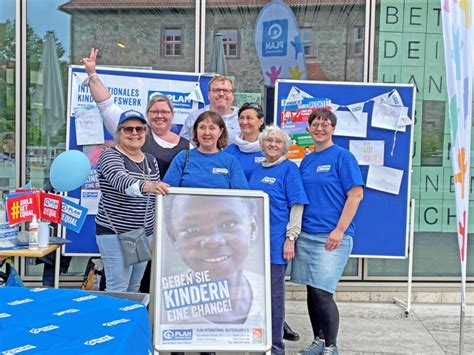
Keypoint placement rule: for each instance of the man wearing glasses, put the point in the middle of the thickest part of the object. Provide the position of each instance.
(221, 97)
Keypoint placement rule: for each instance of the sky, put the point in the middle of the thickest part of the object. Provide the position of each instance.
(42, 16)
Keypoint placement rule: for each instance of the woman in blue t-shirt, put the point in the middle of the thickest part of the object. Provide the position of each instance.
(246, 148)
(334, 186)
(208, 165)
(281, 180)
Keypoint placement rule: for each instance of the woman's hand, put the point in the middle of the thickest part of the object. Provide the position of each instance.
(159, 188)
(334, 239)
(90, 62)
(289, 250)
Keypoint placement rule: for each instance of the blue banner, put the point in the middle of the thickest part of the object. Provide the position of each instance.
(73, 215)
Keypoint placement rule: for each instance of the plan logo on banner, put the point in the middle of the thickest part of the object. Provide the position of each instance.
(275, 38)
(180, 100)
(50, 207)
(278, 43)
(73, 215)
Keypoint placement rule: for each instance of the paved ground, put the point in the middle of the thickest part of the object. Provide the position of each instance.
(383, 328)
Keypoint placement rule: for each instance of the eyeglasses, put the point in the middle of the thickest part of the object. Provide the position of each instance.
(162, 113)
(225, 91)
(130, 129)
(323, 125)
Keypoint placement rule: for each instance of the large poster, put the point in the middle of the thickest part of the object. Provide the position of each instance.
(212, 271)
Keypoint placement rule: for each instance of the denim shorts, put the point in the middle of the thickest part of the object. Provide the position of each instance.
(315, 266)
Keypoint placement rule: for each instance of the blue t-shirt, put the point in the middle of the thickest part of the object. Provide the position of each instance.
(283, 184)
(327, 177)
(248, 161)
(218, 170)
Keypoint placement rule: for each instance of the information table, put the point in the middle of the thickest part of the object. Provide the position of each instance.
(60, 321)
(5, 253)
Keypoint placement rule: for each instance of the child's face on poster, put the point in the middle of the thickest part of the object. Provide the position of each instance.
(212, 233)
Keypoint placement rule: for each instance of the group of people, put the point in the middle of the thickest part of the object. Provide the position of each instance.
(221, 146)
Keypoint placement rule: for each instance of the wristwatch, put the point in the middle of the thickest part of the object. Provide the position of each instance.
(291, 237)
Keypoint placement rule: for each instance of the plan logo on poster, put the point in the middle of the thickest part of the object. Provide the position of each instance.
(178, 334)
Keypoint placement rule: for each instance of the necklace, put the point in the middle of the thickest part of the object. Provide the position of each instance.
(145, 170)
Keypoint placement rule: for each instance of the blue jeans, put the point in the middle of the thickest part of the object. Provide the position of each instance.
(278, 307)
(119, 278)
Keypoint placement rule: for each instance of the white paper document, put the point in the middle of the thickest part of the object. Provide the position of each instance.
(384, 179)
(90, 200)
(368, 152)
(348, 125)
(89, 126)
(388, 117)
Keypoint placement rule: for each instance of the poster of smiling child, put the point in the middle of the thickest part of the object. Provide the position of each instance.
(213, 271)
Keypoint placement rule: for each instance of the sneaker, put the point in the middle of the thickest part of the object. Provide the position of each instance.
(330, 350)
(316, 348)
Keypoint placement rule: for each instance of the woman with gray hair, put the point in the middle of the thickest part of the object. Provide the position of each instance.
(281, 180)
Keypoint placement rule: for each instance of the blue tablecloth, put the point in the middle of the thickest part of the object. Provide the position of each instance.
(58, 321)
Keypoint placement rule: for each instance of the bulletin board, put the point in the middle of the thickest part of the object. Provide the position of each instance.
(131, 89)
(382, 220)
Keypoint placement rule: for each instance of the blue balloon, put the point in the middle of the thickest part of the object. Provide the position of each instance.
(69, 170)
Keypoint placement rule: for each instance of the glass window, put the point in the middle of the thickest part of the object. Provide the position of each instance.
(307, 34)
(7, 96)
(172, 42)
(409, 49)
(356, 40)
(230, 38)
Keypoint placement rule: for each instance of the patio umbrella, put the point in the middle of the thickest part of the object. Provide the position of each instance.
(218, 64)
(47, 103)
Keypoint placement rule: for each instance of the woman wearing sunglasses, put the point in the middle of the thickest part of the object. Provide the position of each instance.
(160, 141)
(129, 181)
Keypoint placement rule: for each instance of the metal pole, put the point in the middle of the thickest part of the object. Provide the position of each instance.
(461, 328)
(397, 301)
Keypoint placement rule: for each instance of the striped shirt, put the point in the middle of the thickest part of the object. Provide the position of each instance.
(117, 173)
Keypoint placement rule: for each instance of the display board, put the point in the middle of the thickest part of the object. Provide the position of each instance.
(131, 89)
(212, 275)
(375, 122)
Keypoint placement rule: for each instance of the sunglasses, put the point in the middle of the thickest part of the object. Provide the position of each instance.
(130, 129)
(253, 105)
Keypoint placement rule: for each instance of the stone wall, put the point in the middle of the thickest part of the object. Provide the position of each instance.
(141, 33)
